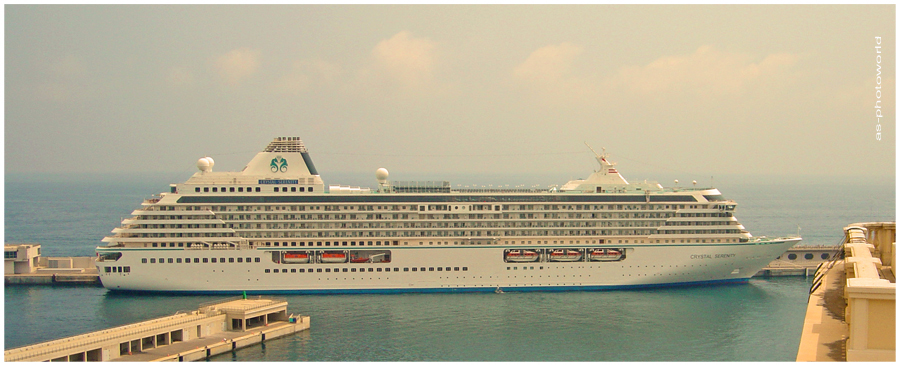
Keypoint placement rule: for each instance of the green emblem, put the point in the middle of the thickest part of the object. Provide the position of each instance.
(278, 164)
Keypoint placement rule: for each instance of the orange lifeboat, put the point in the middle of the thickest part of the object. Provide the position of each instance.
(522, 256)
(565, 255)
(334, 257)
(296, 257)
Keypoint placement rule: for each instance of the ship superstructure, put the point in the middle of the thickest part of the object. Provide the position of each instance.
(273, 227)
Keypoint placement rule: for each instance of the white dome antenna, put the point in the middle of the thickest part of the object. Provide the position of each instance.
(205, 164)
(381, 175)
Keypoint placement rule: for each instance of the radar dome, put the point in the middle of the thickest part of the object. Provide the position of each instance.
(381, 175)
(205, 164)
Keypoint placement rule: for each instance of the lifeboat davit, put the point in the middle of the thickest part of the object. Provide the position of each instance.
(565, 255)
(297, 257)
(608, 254)
(334, 257)
(522, 256)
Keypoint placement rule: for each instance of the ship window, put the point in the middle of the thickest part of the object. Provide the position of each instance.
(303, 270)
(257, 189)
(231, 189)
(215, 189)
(824, 256)
(214, 260)
(127, 268)
(318, 243)
(276, 189)
(240, 189)
(353, 270)
(205, 260)
(205, 189)
(792, 256)
(178, 260)
(455, 269)
(196, 260)
(379, 269)
(152, 261)
(107, 269)
(187, 260)
(293, 244)
(405, 269)
(318, 270)
(154, 244)
(327, 270)
(301, 189)
(231, 259)
(170, 260)
(293, 270)
(293, 189)
(465, 268)
(197, 189)
(180, 244)
(255, 259)
(421, 269)
(371, 269)
(430, 269)
(447, 269)
(143, 261)
(275, 271)
(240, 259)
(267, 271)
(440, 269)
(808, 256)
(344, 270)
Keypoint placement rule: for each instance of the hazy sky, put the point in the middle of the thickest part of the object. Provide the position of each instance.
(781, 90)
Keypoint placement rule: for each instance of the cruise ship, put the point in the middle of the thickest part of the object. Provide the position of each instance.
(274, 228)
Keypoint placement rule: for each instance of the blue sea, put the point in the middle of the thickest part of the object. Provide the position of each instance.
(758, 321)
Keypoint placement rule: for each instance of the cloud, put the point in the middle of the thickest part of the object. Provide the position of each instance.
(407, 60)
(550, 64)
(237, 65)
(551, 72)
(707, 71)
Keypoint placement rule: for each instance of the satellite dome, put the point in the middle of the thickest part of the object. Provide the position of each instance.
(205, 164)
(381, 175)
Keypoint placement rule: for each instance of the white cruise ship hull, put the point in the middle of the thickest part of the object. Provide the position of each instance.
(485, 270)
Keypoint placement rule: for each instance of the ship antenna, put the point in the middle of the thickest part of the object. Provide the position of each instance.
(599, 157)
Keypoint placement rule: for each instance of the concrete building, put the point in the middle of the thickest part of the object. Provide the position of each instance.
(20, 258)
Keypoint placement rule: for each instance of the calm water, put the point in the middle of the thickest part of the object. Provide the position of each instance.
(759, 321)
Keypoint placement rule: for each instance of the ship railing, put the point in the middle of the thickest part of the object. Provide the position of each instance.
(61, 346)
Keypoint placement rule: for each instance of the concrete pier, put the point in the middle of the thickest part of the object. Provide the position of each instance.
(851, 314)
(214, 328)
(24, 265)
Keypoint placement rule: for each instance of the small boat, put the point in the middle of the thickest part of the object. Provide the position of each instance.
(334, 257)
(296, 257)
(522, 256)
(565, 255)
(607, 254)
(358, 260)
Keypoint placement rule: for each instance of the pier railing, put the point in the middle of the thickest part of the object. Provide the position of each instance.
(870, 291)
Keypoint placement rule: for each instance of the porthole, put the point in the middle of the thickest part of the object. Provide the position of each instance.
(808, 256)
(824, 256)
(792, 256)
